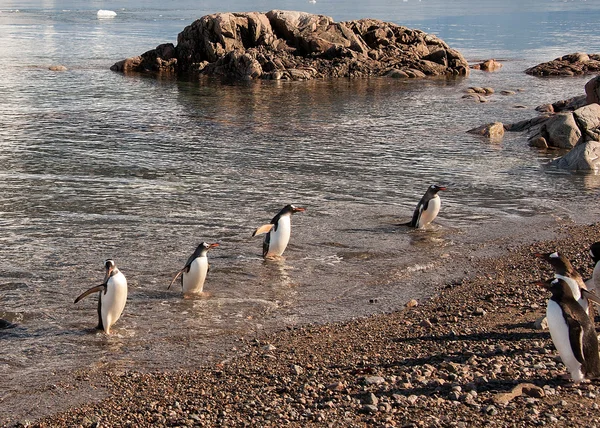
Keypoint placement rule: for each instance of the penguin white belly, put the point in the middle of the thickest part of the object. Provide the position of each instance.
(280, 237)
(113, 302)
(433, 208)
(559, 331)
(193, 281)
(574, 286)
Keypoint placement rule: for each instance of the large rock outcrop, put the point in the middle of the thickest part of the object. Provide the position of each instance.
(569, 65)
(297, 45)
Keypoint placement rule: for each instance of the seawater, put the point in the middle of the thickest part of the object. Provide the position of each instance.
(95, 164)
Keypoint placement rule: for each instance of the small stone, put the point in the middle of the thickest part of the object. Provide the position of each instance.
(374, 380)
(479, 312)
(369, 409)
(412, 399)
(296, 369)
(412, 303)
(269, 347)
(370, 398)
(336, 386)
(57, 68)
(491, 410)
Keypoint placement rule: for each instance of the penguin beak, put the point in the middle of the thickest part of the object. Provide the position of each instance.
(442, 188)
(544, 285)
(216, 244)
(298, 209)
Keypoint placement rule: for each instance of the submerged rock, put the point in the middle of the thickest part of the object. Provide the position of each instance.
(297, 46)
(569, 65)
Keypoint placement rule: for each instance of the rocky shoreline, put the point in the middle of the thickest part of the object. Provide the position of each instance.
(470, 356)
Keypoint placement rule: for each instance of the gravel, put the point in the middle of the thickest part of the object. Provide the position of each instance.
(470, 356)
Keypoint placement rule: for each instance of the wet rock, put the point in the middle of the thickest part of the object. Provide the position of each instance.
(298, 46)
(57, 68)
(568, 65)
(490, 65)
(561, 131)
(538, 141)
(592, 91)
(412, 303)
(493, 131)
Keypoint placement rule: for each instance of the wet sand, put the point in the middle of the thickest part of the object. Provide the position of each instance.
(450, 361)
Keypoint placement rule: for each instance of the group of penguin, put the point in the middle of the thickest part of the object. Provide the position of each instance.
(112, 293)
(570, 317)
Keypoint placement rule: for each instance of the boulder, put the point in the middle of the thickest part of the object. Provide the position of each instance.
(298, 45)
(584, 156)
(561, 131)
(493, 131)
(490, 65)
(569, 65)
(592, 91)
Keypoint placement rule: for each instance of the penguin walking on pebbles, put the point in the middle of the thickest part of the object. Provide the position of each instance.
(428, 207)
(572, 331)
(278, 231)
(594, 282)
(195, 270)
(112, 295)
(565, 271)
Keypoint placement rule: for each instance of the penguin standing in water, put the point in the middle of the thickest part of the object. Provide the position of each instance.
(428, 207)
(572, 332)
(594, 282)
(278, 231)
(111, 298)
(565, 271)
(194, 272)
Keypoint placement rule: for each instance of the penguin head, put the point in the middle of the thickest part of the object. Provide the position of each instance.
(561, 264)
(291, 209)
(558, 287)
(434, 188)
(111, 269)
(204, 247)
(595, 252)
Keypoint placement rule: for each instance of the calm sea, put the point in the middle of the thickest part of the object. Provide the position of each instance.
(95, 164)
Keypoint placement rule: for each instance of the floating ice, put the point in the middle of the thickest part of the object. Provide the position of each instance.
(106, 14)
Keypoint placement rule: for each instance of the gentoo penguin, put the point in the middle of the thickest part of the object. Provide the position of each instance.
(594, 282)
(572, 332)
(278, 231)
(111, 297)
(428, 207)
(565, 271)
(194, 272)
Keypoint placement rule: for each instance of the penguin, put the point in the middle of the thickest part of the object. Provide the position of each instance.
(594, 282)
(428, 207)
(278, 231)
(194, 272)
(571, 330)
(565, 271)
(111, 297)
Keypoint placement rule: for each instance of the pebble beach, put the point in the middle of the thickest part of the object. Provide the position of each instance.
(469, 356)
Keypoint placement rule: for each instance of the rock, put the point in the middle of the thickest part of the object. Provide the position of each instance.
(370, 398)
(561, 131)
(592, 91)
(369, 409)
(373, 380)
(476, 97)
(569, 65)
(588, 117)
(298, 46)
(507, 92)
(539, 142)
(493, 131)
(528, 389)
(269, 347)
(297, 370)
(490, 65)
(412, 303)
(57, 68)
(584, 156)
(336, 386)
(541, 323)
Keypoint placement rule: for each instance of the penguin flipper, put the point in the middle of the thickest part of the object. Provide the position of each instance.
(576, 338)
(416, 216)
(175, 278)
(95, 289)
(590, 296)
(265, 228)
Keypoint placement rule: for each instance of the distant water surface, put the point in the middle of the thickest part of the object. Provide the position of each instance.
(94, 164)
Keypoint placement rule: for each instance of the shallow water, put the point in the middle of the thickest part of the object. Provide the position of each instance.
(94, 164)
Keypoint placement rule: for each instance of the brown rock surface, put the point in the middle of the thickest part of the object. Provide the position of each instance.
(296, 46)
